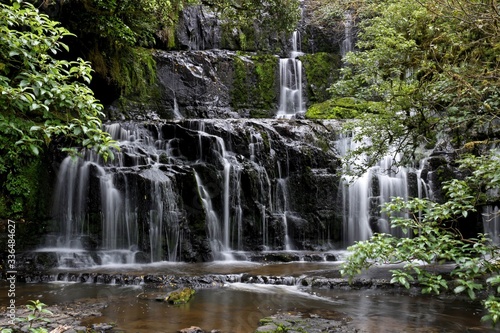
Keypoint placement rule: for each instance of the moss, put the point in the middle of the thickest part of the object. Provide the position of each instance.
(134, 70)
(254, 85)
(341, 108)
(260, 113)
(239, 94)
(265, 90)
(323, 144)
(25, 193)
(180, 296)
(321, 70)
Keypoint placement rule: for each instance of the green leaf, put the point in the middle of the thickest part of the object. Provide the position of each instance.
(472, 294)
(34, 149)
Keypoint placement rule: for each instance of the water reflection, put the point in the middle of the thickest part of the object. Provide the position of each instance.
(238, 307)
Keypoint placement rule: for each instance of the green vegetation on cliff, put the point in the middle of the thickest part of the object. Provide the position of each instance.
(117, 36)
(321, 70)
(42, 99)
(342, 108)
(434, 66)
(254, 85)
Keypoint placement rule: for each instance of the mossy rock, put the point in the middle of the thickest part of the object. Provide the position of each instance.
(299, 323)
(321, 70)
(255, 84)
(341, 108)
(180, 296)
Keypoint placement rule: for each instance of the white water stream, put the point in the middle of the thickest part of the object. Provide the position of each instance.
(291, 99)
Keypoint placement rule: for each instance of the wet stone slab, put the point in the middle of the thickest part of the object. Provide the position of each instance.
(298, 322)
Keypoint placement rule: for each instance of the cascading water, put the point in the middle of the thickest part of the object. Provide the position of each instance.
(212, 220)
(257, 148)
(363, 197)
(491, 217)
(491, 223)
(177, 113)
(186, 190)
(291, 101)
(348, 42)
(91, 189)
(281, 206)
(225, 234)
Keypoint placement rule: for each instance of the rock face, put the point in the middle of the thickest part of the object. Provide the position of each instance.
(198, 29)
(217, 84)
(192, 190)
(225, 84)
(208, 74)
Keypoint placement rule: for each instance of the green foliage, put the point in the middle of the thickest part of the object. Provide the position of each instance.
(254, 84)
(37, 315)
(321, 70)
(37, 309)
(433, 238)
(433, 63)
(180, 296)
(342, 108)
(42, 98)
(116, 37)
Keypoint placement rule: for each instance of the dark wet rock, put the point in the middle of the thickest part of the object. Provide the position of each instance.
(266, 279)
(276, 257)
(314, 257)
(198, 29)
(288, 322)
(330, 257)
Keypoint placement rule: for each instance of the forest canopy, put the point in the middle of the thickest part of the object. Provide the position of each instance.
(432, 67)
(431, 70)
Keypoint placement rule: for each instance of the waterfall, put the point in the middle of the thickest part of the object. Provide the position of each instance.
(89, 189)
(257, 148)
(163, 218)
(281, 206)
(290, 102)
(363, 197)
(491, 223)
(192, 190)
(348, 42)
(491, 216)
(212, 220)
(228, 236)
(177, 113)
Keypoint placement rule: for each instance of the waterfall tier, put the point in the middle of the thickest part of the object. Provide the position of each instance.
(291, 100)
(199, 190)
(363, 197)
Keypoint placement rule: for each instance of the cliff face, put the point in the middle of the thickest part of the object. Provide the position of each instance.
(208, 73)
(193, 190)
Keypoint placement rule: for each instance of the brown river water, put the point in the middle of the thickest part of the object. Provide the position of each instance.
(237, 307)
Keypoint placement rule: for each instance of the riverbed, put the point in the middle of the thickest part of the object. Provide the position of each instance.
(237, 305)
